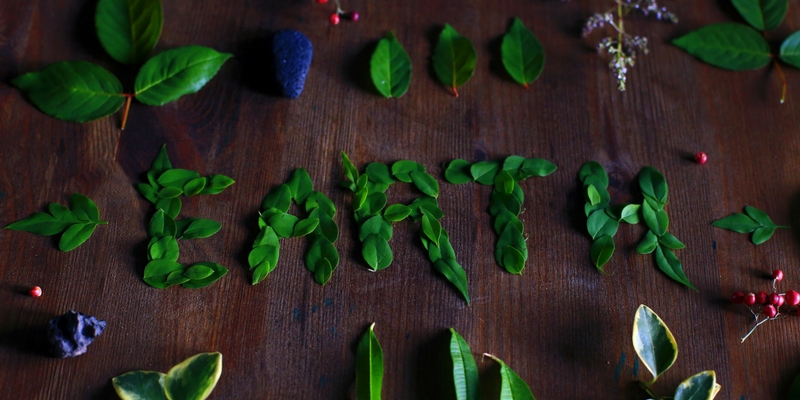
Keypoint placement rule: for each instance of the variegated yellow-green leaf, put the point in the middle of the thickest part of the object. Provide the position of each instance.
(702, 386)
(194, 378)
(140, 385)
(653, 342)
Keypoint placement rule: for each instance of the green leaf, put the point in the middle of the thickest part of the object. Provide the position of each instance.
(593, 169)
(465, 371)
(511, 237)
(147, 191)
(196, 228)
(84, 208)
(513, 260)
(759, 216)
(484, 172)
(327, 226)
(263, 260)
(454, 58)
(455, 274)
(360, 198)
(171, 206)
(219, 272)
(169, 193)
(195, 186)
(499, 201)
(129, 29)
(512, 164)
(656, 221)
(164, 248)
(376, 225)
(653, 342)
(425, 183)
(177, 178)
(283, 224)
(323, 271)
(593, 195)
(537, 167)
(279, 197)
(764, 15)
(300, 185)
(376, 252)
(176, 278)
(140, 385)
(375, 203)
(648, 244)
(670, 265)
(599, 224)
(653, 184)
(761, 235)
(369, 367)
(512, 387)
(62, 213)
(175, 73)
(40, 223)
(72, 90)
(505, 217)
(216, 183)
(162, 224)
(396, 212)
(504, 182)
(431, 228)
(697, 387)
(305, 226)
(738, 223)
(194, 378)
(458, 171)
(379, 173)
(350, 171)
(161, 163)
(402, 170)
(630, 213)
(601, 251)
(266, 236)
(198, 271)
(320, 249)
(75, 235)
(522, 54)
(671, 242)
(427, 204)
(390, 67)
(728, 45)
(790, 50)
(321, 201)
(157, 271)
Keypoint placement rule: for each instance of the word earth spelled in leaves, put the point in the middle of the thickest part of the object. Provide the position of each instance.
(165, 185)
(752, 220)
(739, 47)
(76, 222)
(81, 91)
(194, 378)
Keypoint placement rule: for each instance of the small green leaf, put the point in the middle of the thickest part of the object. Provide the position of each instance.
(648, 244)
(194, 378)
(427, 204)
(538, 167)
(522, 54)
(283, 224)
(458, 171)
(761, 235)
(653, 342)
(196, 228)
(499, 201)
(161, 163)
(455, 274)
(157, 271)
(195, 186)
(350, 171)
(402, 170)
(376, 225)
(165, 248)
(320, 249)
(431, 228)
(737, 222)
(593, 169)
(84, 208)
(653, 184)
(396, 212)
(61, 213)
(790, 50)
(374, 203)
(601, 251)
(630, 214)
(513, 238)
(390, 67)
(147, 191)
(369, 367)
(323, 271)
(670, 265)
(513, 260)
(454, 58)
(169, 193)
(300, 185)
(484, 172)
(731, 46)
(140, 385)
(670, 241)
(177, 72)
(599, 224)
(512, 387)
(263, 260)
(40, 223)
(177, 177)
(759, 216)
(360, 198)
(219, 272)
(305, 226)
(72, 90)
(216, 183)
(376, 252)
(764, 15)
(171, 206)
(512, 164)
(266, 236)
(75, 235)
(505, 217)
(279, 197)
(321, 201)
(198, 271)
(504, 182)
(593, 195)
(327, 226)
(656, 221)
(129, 29)
(379, 173)
(162, 224)
(425, 183)
(697, 387)
(465, 371)
(176, 278)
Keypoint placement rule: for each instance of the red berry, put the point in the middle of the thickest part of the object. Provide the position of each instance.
(352, 16)
(777, 275)
(700, 158)
(737, 298)
(770, 311)
(35, 291)
(776, 299)
(792, 298)
(761, 298)
(334, 18)
(322, 1)
(750, 299)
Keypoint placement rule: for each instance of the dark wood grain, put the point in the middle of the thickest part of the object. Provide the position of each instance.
(562, 326)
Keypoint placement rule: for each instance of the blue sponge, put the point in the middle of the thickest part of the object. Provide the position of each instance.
(292, 53)
(70, 334)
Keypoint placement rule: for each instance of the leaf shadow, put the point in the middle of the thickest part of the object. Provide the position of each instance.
(432, 360)
(728, 9)
(495, 48)
(30, 339)
(104, 392)
(490, 381)
(358, 69)
(255, 58)
(85, 32)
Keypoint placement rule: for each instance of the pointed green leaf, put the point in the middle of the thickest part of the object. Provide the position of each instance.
(323, 271)
(454, 58)
(263, 260)
(593, 169)
(147, 191)
(321, 201)
(427, 204)
(140, 385)
(512, 387)
(161, 163)
(376, 252)
(599, 224)
(279, 197)
(175, 73)
(593, 195)
(75, 235)
(728, 45)
(396, 212)
(219, 272)
(72, 90)
(761, 235)
(319, 249)
(764, 15)
(648, 244)
(283, 224)
(538, 167)
(653, 184)
(401, 170)
(369, 367)
(458, 171)
(194, 378)
(697, 387)
(601, 251)
(195, 186)
(653, 342)
(129, 29)
(465, 371)
(455, 274)
(790, 50)
(216, 183)
(656, 221)
(390, 67)
(513, 260)
(375, 225)
(499, 201)
(737, 222)
(61, 213)
(165, 248)
(431, 228)
(670, 265)
(379, 173)
(177, 178)
(425, 183)
(630, 214)
(198, 271)
(156, 272)
(171, 206)
(196, 228)
(162, 224)
(505, 217)
(670, 241)
(759, 216)
(40, 223)
(484, 172)
(84, 208)
(504, 182)
(350, 171)
(522, 54)
(305, 226)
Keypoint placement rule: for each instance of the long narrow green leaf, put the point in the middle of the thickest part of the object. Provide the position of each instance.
(512, 387)
(653, 342)
(369, 367)
(465, 371)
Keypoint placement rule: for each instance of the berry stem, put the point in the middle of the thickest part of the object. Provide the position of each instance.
(127, 109)
(756, 326)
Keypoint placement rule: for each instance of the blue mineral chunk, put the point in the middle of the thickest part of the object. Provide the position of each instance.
(292, 53)
(70, 334)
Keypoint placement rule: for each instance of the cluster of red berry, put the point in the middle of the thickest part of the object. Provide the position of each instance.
(770, 304)
(340, 14)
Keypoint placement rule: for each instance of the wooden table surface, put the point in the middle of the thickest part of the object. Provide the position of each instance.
(562, 326)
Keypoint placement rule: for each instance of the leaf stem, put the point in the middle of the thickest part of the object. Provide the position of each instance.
(127, 109)
(646, 387)
(783, 79)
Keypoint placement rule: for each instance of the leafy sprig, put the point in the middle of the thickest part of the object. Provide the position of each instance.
(752, 220)
(76, 223)
(194, 378)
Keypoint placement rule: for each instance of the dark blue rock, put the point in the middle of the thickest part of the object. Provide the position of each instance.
(292, 53)
(70, 334)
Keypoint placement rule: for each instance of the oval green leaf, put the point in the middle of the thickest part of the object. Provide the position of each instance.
(764, 15)
(219, 272)
(198, 271)
(648, 244)
(593, 169)
(140, 385)
(601, 251)
(171, 206)
(165, 248)
(174, 73)
(731, 46)
(455, 274)
(484, 172)
(369, 367)
(737, 222)
(701, 386)
(599, 224)
(156, 272)
(129, 29)
(671, 242)
(671, 265)
(458, 171)
(653, 342)
(305, 226)
(72, 90)
(465, 371)
(390, 67)
(84, 208)
(75, 235)
(431, 228)
(425, 183)
(790, 50)
(454, 58)
(196, 228)
(376, 252)
(40, 223)
(195, 186)
(323, 271)
(216, 184)
(522, 54)
(538, 167)
(759, 216)
(761, 235)
(656, 220)
(194, 378)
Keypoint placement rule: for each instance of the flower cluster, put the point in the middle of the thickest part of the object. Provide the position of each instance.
(772, 306)
(624, 47)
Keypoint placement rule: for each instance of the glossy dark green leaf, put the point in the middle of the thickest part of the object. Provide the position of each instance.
(84, 208)
(164, 248)
(513, 260)
(512, 387)
(513, 238)
(458, 171)
(196, 228)
(764, 15)
(305, 226)
(195, 186)
(670, 241)
(738, 223)
(375, 225)
(75, 235)
(279, 197)
(630, 213)
(171, 206)
(504, 182)
(376, 252)
(161, 225)
(653, 184)
(401, 170)
(161, 163)
(72, 90)
(321, 201)
(198, 271)
(169, 193)
(599, 224)
(671, 265)
(465, 371)
(300, 185)
(454, 58)
(379, 173)
(350, 171)
(653, 342)
(656, 221)
(484, 172)
(538, 167)
(593, 169)
(157, 271)
(455, 274)
(61, 213)
(601, 251)
(266, 236)
(790, 50)
(129, 29)
(648, 244)
(522, 54)
(176, 278)
(140, 385)
(283, 224)
(175, 73)
(697, 387)
(194, 378)
(369, 367)
(761, 235)
(505, 217)
(727, 45)
(396, 212)
(512, 164)
(216, 183)
(428, 204)
(425, 183)
(40, 223)
(390, 67)
(431, 228)
(360, 198)
(219, 272)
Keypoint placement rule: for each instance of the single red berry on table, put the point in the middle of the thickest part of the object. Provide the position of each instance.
(761, 298)
(334, 18)
(35, 291)
(352, 16)
(770, 311)
(700, 158)
(792, 298)
(737, 298)
(777, 275)
(750, 299)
